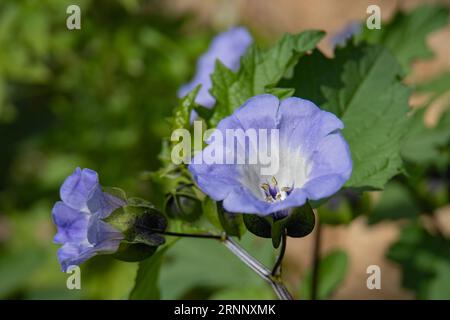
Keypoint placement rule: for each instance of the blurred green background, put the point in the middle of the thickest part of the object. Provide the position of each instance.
(99, 98)
(94, 98)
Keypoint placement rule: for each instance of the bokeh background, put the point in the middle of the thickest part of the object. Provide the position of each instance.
(99, 98)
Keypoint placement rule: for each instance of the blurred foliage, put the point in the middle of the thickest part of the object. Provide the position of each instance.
(96, 97)
(425, 262)
(421, 251)
(331, 273)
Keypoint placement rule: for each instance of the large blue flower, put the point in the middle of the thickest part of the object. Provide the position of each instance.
(78, 219)
(228, 47)
(314, 159)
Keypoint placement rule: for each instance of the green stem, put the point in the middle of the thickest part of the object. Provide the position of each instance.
(189, 235)
(277, 267)
(278, 286)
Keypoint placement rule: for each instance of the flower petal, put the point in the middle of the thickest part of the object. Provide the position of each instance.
(265, 106)
(323, 186)
(241, 200)
(331, 157)
(78, 188)
(72, 224)
(303, 125)
(100, 231)
(73, 254)
(103, 204)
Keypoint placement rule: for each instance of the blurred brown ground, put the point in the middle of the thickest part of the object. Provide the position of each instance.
(365, 245)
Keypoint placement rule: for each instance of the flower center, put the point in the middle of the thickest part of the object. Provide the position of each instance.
(273, 192)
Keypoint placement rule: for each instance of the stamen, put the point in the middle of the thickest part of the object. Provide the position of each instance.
(274, 181)
(273, 193)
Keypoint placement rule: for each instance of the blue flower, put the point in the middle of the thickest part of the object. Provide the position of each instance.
(78, 218)
(228, 47)
(314, 159)
(340, 38)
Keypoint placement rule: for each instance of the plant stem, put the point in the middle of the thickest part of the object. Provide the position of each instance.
(316, 262)
(277, 267)
(188, 235)
(274, 280)
(277, 285)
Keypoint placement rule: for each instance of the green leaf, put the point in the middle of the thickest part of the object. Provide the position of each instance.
(332, 272)
(132, 252)
(209, 208)
(116, 192)
(260, 70)
(424, 259)
(137, 221)
(146, 283)
(278, 229)
(181, 114)
(183, 204)
(232, 223)
(426, 145)
(361, 86)
(299, 223)
(257, 225)
(281, 93)
(395, 203)
(405, 36)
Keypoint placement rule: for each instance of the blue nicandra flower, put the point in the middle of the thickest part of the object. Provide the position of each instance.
(78, 219)
(228, 47)
(314, 159)
(340, 38)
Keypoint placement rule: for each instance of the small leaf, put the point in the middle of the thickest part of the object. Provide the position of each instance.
(139, 221)
(278, 228)
(116, 192)
(149, 238)
(209, 208)
(182, 113)
(146, 283)
(332, 271)
(183, 204)
(301, 221)
(232, 223)
(205, 113)
(132, 252)
(281, 93)
(257, 225)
